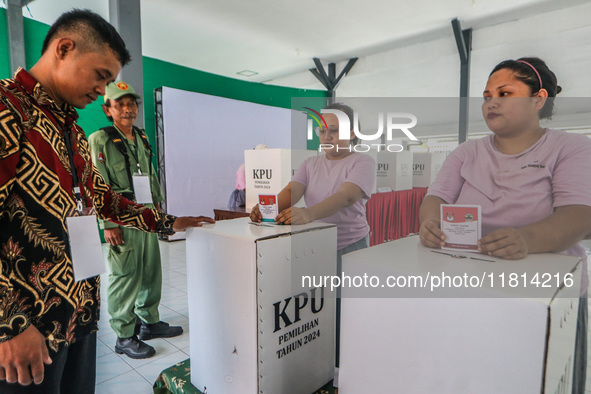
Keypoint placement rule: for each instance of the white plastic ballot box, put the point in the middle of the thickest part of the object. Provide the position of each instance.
(268, 171)
(394, 170)
(480, 337)
(253, 328)
(425, 167)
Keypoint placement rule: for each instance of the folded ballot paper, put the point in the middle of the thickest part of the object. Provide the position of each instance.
(269, 207)
(462, 226)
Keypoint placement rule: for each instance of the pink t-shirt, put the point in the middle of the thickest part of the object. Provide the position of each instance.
(323, 178)
(241, 178)
(518, 190)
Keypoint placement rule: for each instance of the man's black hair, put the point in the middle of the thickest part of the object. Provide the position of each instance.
(93, 28)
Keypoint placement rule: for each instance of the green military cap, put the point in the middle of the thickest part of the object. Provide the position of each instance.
(118, 89)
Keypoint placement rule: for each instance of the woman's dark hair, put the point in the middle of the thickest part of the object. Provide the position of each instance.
(350, 114)
(527, 70)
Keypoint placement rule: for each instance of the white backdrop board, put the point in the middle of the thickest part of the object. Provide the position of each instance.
(204, 141)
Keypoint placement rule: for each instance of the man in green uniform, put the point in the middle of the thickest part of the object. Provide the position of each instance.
(123, 156)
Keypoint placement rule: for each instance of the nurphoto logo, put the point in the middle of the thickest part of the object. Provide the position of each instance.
(395, 121)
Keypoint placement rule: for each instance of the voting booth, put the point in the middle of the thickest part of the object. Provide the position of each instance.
(268, 171)
(502, 333)
(252, 329)
(394, 170)
(425, 168)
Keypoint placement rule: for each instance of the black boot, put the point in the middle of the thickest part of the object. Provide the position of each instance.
(138, 324)
(134, 348)
(159, 330)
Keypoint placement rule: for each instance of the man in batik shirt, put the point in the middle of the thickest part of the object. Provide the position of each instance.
(48, 321)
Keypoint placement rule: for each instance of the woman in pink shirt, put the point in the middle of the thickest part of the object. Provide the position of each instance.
(533, 183)
(336, 186)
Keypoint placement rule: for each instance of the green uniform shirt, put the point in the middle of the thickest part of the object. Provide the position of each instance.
(111, 164)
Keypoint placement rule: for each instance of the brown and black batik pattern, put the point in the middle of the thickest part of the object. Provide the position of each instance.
(36, 195)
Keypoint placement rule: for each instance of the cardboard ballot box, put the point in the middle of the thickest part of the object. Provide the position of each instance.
(253, 328)
(268, 171)
(394, 170)
(480, 338)
(425, 168)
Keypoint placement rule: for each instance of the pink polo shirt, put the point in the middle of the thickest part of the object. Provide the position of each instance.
(518, 190)
(323, 178)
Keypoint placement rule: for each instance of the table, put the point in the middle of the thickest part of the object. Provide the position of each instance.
(496, 326)
(390, 215)
(176, 379)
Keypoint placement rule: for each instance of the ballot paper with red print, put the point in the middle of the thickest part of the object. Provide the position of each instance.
(462, 226)
(268, 206)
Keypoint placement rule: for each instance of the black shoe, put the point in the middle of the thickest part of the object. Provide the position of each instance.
(159, 330)
(134, 348)
(138, 324)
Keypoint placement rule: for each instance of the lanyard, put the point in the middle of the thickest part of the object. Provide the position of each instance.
(138, 135)
(136, 155)
(73, 170)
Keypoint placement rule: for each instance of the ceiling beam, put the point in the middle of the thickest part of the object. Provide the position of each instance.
(330, 80)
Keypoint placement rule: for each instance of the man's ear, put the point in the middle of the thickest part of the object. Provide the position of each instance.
(106, 109)
(63, 47)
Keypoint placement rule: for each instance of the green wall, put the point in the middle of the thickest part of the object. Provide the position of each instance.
(4, 52)
(158, 73)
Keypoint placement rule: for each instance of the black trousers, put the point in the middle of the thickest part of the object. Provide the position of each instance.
(73, 371)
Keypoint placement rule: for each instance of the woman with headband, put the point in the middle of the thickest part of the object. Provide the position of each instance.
(533, 183)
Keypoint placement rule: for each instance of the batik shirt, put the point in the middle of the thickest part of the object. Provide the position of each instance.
(36, 196)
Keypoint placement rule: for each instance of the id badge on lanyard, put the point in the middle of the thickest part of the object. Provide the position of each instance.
(85, 242)
(141, 188)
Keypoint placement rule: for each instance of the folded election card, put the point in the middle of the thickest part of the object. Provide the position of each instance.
(268, 206)
(462, 226)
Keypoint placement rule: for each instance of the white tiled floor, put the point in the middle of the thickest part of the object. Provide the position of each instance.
(120, 374)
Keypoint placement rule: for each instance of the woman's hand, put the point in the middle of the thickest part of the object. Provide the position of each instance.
(255, 214)
(293, 215)
(430, 233)
(508, 243)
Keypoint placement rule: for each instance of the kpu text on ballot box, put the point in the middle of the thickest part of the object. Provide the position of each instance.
(495, 327)
(253, 328)
(268, 171)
